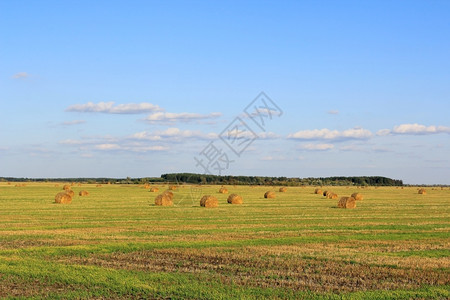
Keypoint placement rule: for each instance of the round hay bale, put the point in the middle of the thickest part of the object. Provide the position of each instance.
(234, 199)
(223, 190)
(209, 201)
(357, 196)
(83, 193)
(63, 198)
(71, 193)
(98, 185)
(168, 193)
(422, 191)
(147, 186)
(325, 193)
(67, 187)
(269, 194)
(347, 202)
(317, 191)
(154, 190)
(172, 187)
(332, 196)
(163, 200)
(282, 189)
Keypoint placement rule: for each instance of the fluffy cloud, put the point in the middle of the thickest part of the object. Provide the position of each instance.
(327, 134)
(107, 147)
(172, 133)
(317, 147)
(130, 147)
(179, 117)
(414, 129)
(110, 108)
(21, 75)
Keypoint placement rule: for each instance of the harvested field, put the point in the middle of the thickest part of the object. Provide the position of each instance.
(393, 245)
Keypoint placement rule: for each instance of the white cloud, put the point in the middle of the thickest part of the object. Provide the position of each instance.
(383, 132)
(317, 147)
(327, 134)
(107, 147)
(74, 122)
(174, 132)
(147, 148)
(415, 129)
(179, 117)
(110, 108)
(144, 135)
(21, 75)
(71, 142)
(333, 112)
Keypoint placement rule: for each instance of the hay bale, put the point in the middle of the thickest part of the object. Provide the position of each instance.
(234, 199)
(83, 193)
(71, 193)
(163, 200)
(147, 186)
(154, 190)
(209, 201)
(347, 202)
(325, 193)
(317, 191)
(169, 194)
(63, 198)
(357, 196)
(282, 189)
(98, 185)
(172, 187)
(223, 190)
(67, 187)
(269, 194)
(331, 195)
(422, 191)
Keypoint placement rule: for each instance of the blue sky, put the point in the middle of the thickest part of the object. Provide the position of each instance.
(140, 88)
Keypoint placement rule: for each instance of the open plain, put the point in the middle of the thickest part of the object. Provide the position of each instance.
(115, 243)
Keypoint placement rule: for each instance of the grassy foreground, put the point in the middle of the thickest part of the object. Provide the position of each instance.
(115, 243)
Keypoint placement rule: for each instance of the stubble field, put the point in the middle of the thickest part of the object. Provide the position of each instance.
(115, 243)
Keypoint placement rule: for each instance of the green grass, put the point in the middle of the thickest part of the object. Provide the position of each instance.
(116, 244)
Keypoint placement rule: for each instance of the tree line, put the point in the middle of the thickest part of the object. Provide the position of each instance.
(287, 181)
(192, 178)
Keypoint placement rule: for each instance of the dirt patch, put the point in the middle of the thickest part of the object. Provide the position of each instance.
(263, 269)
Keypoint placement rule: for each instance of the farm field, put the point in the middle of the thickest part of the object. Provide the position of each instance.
(115, 243)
